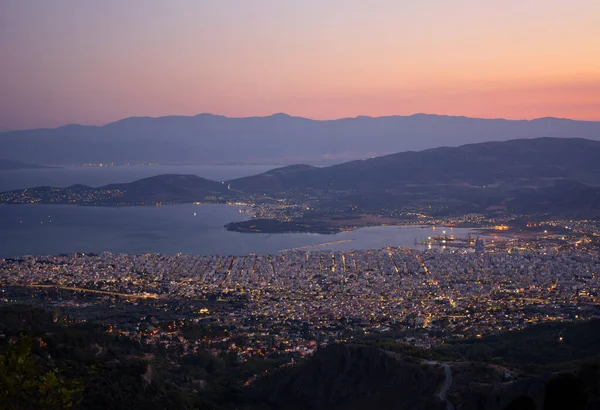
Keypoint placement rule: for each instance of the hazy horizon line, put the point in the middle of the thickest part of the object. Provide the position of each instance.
(7, 129)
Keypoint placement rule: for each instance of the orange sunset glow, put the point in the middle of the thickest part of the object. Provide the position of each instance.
(96, 62)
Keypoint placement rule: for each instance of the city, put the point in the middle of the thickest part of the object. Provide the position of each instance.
(299, 300)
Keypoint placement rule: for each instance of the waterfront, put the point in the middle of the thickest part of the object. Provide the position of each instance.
(188, 228)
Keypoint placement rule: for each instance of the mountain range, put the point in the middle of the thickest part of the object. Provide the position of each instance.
(279, 138)
(558, 176)
(516, 163)
(552, 175)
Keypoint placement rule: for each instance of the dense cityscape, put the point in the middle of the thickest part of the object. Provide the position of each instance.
(295, 301)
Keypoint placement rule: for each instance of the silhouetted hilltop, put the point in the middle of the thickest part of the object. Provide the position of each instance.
(354, 377)
(169, 188)
(550, 366)
(512, 163)
(559, 176)
(554, 175)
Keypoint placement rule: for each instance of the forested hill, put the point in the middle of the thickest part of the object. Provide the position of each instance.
(535, 162)
(63, 364)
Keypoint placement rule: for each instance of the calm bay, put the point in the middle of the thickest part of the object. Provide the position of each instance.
(188, 228)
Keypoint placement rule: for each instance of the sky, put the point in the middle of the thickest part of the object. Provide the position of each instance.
(93, 62)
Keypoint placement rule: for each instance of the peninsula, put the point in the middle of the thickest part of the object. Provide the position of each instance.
(557, 177)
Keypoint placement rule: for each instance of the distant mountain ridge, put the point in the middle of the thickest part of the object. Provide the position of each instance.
(278, 138)
(515, 163)
(559, 176)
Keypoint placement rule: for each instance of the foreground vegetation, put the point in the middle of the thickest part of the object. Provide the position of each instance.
(48, 362)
